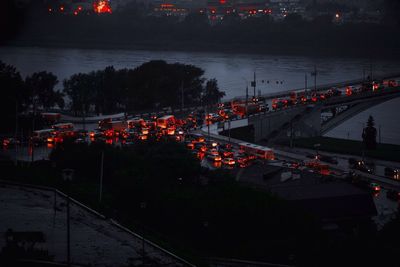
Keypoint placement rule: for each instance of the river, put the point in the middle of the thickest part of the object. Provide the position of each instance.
(274, 73)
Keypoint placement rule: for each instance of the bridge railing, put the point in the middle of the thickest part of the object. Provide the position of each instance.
(322, 87)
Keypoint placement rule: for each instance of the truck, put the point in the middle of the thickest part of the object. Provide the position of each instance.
(166, 121)
(251, 108)
(117, 126)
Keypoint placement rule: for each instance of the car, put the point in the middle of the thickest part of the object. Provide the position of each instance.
(229, 161)
(242, 160)
(375, 187)
(392, 173)
(82, 133)
(10, 142)
(214, 157)
(95, 133)
(213, 152)
(226, 146)
(80, 141)
(227, 154)
(190, 146)
(328, 159)
(213, 143)
(199, 145)
(361, 166)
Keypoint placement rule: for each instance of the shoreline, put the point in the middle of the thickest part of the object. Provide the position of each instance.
(206, 48)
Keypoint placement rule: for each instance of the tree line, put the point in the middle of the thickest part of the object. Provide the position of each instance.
(155, 84)
(152, 85)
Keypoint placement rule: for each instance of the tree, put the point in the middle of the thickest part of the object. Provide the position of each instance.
(212, 94)
(13, 95)
(369, 134)
(40, 86)
(80, 89)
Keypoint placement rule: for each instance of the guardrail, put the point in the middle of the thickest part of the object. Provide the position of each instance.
(101, 216)
(321, 87)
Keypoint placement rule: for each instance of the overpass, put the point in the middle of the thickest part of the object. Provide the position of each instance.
(323, 87)
(307, 120)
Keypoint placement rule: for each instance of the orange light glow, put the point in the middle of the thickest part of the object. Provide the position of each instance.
(102, 6)
(349, 91)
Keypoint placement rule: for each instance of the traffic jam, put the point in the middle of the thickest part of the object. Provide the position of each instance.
(212, 153)
(307, 97)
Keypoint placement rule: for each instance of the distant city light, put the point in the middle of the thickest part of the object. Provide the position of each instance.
(337, 15)
(102, 6)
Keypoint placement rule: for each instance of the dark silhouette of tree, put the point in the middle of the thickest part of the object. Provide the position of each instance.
(152, 85)
(14, 95)
(369, 134)
(212, 95)
(79, 88)
(40, 86)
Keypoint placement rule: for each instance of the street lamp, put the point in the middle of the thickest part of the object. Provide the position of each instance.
(208, 122)
(67, 175)
(143, 205)
(229, 130)
(316, 150)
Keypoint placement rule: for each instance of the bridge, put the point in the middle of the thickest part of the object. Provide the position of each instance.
(323, 87)
(309, 120)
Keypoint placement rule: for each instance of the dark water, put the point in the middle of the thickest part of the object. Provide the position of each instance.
(233, 72)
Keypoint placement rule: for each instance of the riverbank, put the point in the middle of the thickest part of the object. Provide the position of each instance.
(213, 47)
(383, 151)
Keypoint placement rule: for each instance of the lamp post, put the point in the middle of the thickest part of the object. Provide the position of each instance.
(229, 130)
(208, 121)
(16, 132)
(316, 150)
(67, 177)
(101, 176)
(143, 205)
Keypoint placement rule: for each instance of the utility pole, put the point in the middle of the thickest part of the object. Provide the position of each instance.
(33, 129)
(254, 86)
(68, 228)
(379, 132)
(247, 95)
(305, 84)
(291, 134)
(16, 132)
(84, 116)
(183, 98)
(143, 205)
(315, 78)
(67, 176)
(363, 74)
(229, 131)
(101, 176)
